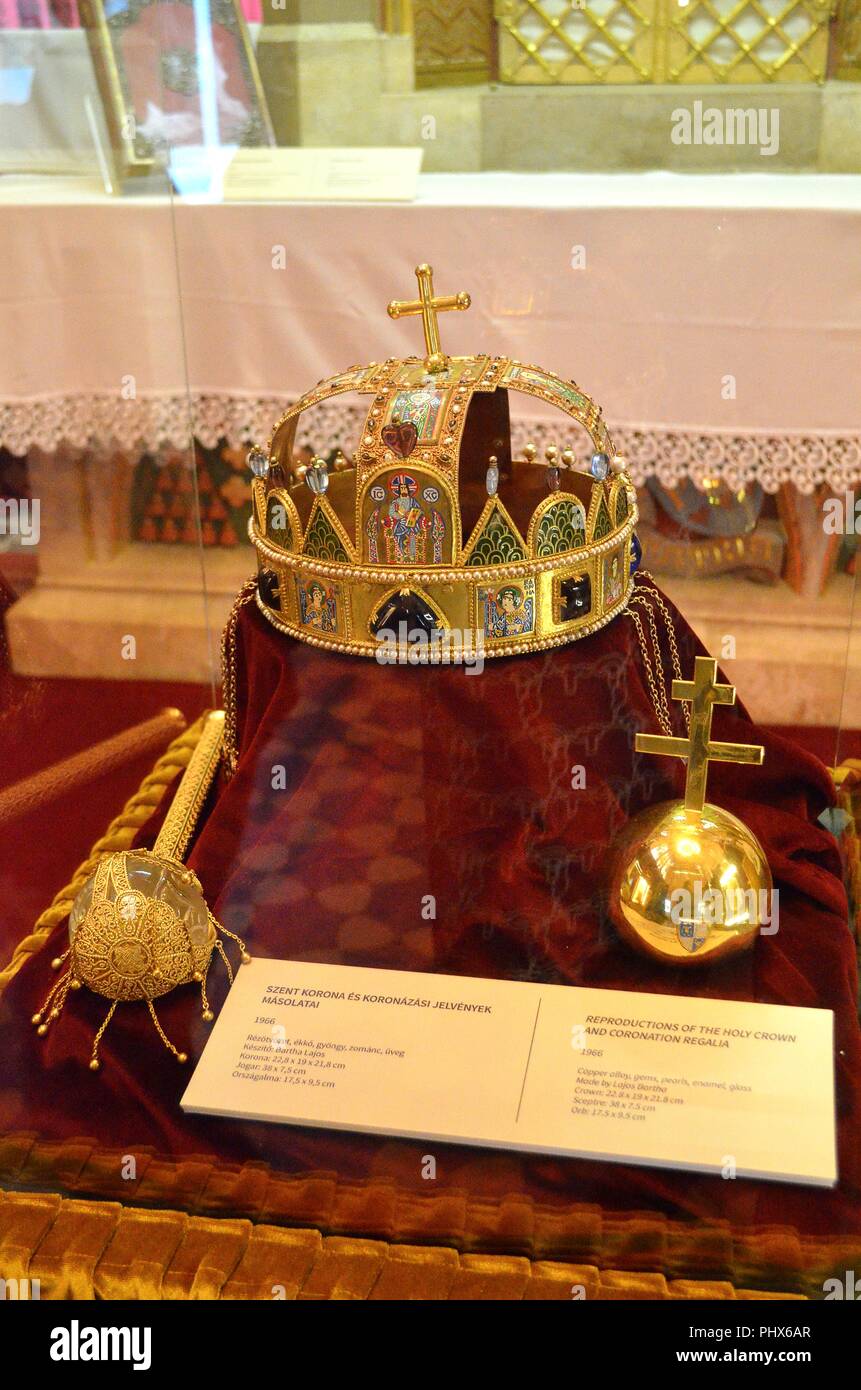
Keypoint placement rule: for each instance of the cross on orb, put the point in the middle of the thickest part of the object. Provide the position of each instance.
(429, 306)
(699, 749)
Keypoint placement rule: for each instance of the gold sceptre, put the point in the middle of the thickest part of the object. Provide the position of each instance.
(691, 881)
(139, 926)
(180, 823)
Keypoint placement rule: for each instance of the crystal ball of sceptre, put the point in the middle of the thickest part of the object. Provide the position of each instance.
(139, 927)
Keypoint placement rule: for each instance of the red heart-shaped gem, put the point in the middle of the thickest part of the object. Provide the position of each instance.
(401, 439)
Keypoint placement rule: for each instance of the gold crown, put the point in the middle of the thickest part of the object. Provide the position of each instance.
(433, 535)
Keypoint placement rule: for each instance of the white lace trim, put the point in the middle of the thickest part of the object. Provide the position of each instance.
(807, 460)
(145, 422)
(151, 422)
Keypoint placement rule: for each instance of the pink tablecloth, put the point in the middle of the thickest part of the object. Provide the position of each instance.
(709, 320)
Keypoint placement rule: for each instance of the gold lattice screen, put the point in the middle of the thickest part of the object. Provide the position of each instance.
(555, 41)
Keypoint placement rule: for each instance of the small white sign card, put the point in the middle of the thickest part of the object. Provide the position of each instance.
(360, 175)
(711, 1085)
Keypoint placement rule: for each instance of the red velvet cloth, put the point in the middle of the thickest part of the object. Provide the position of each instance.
(42, 722)
(361, 790)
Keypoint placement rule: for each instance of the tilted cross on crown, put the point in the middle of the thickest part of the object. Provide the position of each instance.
(429, 306)
(433, 526)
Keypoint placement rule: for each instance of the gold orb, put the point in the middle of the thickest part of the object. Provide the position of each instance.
(689, 886)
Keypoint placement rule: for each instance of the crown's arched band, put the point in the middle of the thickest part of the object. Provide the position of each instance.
(383, 381)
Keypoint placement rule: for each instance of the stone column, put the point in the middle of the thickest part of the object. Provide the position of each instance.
(324, 65)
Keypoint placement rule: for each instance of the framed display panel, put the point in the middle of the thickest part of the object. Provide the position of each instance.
(168, 80)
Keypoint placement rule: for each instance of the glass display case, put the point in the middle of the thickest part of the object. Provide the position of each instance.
(404, 406)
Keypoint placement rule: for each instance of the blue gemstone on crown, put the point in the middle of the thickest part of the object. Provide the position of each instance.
(576, 596)
(636, 553)
(599, 466)
(267, 588)
(402, 614)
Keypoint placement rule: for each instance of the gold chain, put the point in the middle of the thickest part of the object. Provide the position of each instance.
(180, 1056)
(228, 967)
(94, 1059)
(671, 638)
(658, 703)
(228, 676)
(641, 602)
